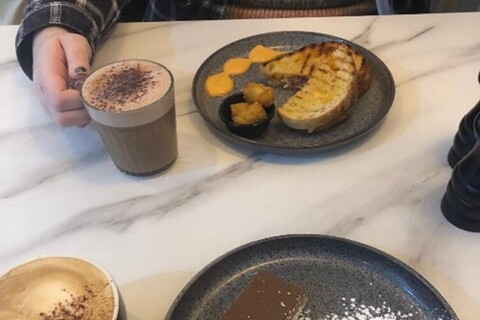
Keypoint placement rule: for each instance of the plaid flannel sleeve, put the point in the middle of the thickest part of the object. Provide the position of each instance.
(158, 10)
(90, 18)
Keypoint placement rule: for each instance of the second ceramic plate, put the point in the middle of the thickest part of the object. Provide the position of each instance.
(366, 113)
(338, 275)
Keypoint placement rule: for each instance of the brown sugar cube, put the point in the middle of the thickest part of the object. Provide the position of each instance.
(267, 297)
(238, 108)
(257, 92)
(247, 113)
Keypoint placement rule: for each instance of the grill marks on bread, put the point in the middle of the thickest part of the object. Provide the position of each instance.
(327, 77)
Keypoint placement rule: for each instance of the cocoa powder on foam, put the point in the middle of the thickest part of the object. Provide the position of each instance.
(126, 85)
(56, 288)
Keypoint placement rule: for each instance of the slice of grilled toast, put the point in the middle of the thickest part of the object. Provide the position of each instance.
(330, 88)
(293, 69)
(364, 73)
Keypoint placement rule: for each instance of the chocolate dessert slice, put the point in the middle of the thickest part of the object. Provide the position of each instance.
(267, 297)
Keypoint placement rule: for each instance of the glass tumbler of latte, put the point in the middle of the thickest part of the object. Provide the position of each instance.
(132, 106)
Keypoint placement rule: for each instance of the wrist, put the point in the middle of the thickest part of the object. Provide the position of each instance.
(47, 33)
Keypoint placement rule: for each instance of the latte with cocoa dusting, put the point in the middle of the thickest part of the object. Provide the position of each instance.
(132, 106)
(56, 288)
(126, 85)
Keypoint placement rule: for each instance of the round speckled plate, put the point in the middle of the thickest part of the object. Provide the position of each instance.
(332, 271)
(365, 115)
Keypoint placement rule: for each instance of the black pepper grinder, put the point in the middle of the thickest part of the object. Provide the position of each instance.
(461, 201)
(465, 137)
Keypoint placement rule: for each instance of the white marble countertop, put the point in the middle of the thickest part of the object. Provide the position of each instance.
(61, 194)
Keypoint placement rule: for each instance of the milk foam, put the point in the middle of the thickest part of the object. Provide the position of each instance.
(34, 290)
(126, 85)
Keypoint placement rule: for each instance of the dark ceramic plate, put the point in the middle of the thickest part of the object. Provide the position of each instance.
(366, 113)
(332, 271)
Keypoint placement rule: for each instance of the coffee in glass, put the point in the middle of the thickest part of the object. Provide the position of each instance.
(132, 105)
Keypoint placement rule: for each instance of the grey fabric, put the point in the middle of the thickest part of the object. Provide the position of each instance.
(294, 4)
(92, 18)
(420, 6)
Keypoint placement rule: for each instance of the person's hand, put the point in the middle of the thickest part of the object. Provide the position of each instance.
(59, 58)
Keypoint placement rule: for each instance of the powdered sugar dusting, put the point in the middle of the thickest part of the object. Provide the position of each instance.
(353, 310)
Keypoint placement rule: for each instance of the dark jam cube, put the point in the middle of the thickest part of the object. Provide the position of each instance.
(267, 297)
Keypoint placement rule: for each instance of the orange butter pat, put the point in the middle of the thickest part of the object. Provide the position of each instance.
(236, 66)
(263, 54)
(220, 84)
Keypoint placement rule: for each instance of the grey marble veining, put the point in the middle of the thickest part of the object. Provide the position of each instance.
(61, 194)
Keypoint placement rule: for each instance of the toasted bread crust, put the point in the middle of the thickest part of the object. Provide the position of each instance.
(364, 73)
(325, 98)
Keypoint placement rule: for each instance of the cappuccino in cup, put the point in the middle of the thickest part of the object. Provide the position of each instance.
(59, 288)
(132, 105)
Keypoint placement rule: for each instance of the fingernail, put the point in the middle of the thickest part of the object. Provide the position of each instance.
(80, 70)
(75, 84)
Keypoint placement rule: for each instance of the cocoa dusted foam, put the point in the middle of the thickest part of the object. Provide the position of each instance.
(126, 85)
(56, 288)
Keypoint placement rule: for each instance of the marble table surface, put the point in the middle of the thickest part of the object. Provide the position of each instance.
(60, 194)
